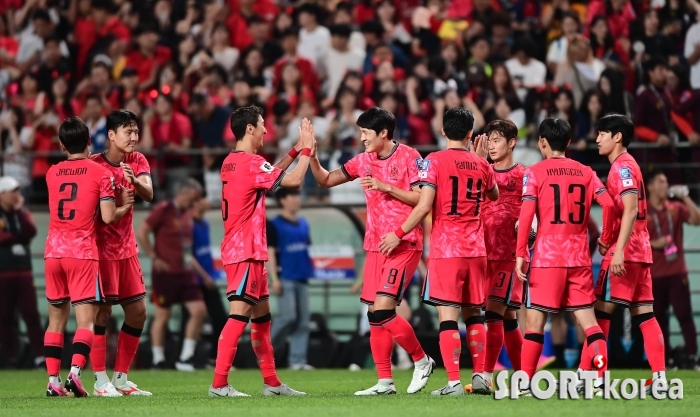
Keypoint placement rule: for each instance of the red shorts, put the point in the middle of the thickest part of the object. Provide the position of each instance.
(247, 281)
(455, 282)
(388, 276)
(122, 280)
(503, 284)
(553, 290)
(631, 290)
(74, 280)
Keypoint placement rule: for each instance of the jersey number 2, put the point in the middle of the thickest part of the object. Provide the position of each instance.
(471, 194)
(73, 195)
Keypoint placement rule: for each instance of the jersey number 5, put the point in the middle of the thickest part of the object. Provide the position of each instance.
(580, 203)
(224, 202)
(471, 194)
(73, 195)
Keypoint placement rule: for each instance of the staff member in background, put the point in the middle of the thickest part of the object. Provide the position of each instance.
(16, 281)
(172, 278)
(288, 241)
(669, 273)
(203, 264)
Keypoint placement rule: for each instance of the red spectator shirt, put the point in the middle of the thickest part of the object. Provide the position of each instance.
(245, 179)
(657, 221)
(306, 69)
(145, 65)
(87, 34)
(172, 231)
(384, 212)
(117, 240)
(618, 22)
(76, 187)
(461, 180)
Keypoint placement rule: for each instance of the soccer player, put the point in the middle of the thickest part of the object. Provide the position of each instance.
(246, 177)
(77, 187)
(120, 269)
(454, 182)
(625, 274)
(503, 289)
(560, 191)
(389, 173)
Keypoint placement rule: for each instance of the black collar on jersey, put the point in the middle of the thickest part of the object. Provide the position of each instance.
(506, 169)
(104, 156)
(456, 149)
(75, 159)
(396, 146)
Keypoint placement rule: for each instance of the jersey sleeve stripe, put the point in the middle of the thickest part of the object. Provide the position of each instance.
(600, 191)
(277, 183)
(415, 183)
(427, 184)
(529, 197)
(108, 199)
(144, 173)
(629, 191)
(345, 172)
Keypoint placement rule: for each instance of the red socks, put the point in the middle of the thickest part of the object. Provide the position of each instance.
(494, 339)
(260, 339)
(532, 349)
(82, 343)
(596, 345)
(603, 320)
(401, 331)
(514, 342)
(127, 346)
(450, 348)
(476, 340)
(382, 344)
(53, 349)
(98, 353)
(653, 341)
(228, 344)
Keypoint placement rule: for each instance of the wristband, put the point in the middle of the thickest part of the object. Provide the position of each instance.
(306, 152)
(400, 233)
(293, 153)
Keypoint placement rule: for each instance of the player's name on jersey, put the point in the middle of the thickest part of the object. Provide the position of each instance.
(71, 171)
(228, 167)
(472, 166)
(571, 172)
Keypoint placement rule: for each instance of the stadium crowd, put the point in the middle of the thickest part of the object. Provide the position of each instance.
(183, 66)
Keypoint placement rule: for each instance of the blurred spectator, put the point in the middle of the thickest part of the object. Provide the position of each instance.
(692, 52)
(343, 130)
(95, 25)
(606, 48)
(614, 97)
(581, 70)
(314, 39)
(655, 43)
(590, 111)
(556, 54)
(260, 31)
(374, 36)
(339, 59)
(17, 291)
(553, 13)
(148, 56)
(172, 134)
(665, 222)
(211, 127)
(618, 12)
(290, 43)
(223, 53)
(343, 16)
(93, 115)
(394, 30)
(15, 137)
(54, 65)
(525, 71)
(31, 41)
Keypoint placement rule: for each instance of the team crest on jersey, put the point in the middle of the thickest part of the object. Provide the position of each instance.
(254, 286)
(394, 173)
(267, 167)
(511, 184)
(625, 173)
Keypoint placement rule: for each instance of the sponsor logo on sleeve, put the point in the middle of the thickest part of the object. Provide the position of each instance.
(524, 184)
(625, 173)
(422, 165)
(111, 180)
(267, 167)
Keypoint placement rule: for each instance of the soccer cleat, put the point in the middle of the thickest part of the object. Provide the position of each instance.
(421, 375)
(281, 390)
(525, 393)
(185, 366)
(448, 389)
(106, 390)
(302, 367)
(227, 391)
(75, 385)
(379, 389)
(129, 388)
(162, 365)
(481, 386)
(55, 390)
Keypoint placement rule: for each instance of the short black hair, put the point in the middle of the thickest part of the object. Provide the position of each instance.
(145, 28)
(437, 65)
(310, 8)
(106, 5)
(52, 39)
(282, 193)
(378, 119)
(457, 123)
(198, 98)
(571, 15)
(242, 117)
(651, 176)
(653, 62)
(526, 45)
(343, 31)
(505, 127)
(256, 20)
(93, 96)
(290, 32)
(74, 135)
(373, 27)
(617, 123)
(41, 14)
(121, 118)
(557, 132)
(476, 39)
(281, 107)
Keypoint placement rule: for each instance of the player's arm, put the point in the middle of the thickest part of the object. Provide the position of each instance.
(111, 213)
(492, 194)
(527, 213)
(410, 197)
(295, 178)
(609, 215)
(141, 180)
(327, 179)
(206, 278)
(144, 241)
(144, 187)
(693, 211)
(391, 240)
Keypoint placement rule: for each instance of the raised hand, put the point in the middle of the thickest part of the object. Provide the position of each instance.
(128, 173)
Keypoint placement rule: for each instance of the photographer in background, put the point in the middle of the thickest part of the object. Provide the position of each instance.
(669, 273)
(16, 281)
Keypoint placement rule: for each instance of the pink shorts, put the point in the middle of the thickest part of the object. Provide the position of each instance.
(560, 289)
(247, 281)
(632, 289)
(455, 282)
(388, 276)
(122, 280)
(503, 284)
(74, 280)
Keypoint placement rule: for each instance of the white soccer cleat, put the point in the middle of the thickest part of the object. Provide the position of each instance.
(227, 391)
(185, 366)
(448, 389)
(379, 389)
(106, 390)
(129, 388)
(281, 390)
(421, 373)
(481, 386)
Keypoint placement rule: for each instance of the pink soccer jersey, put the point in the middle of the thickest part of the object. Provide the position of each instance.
(564, 190)
(76, 187)
(117, 240)
(461, 180)
(624, 178)
(245, 179)
(499, 216)
(384, 212)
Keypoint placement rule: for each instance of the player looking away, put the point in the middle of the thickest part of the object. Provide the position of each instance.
(503, 289)
(246, 177)
(389, 173)
(625, 274)
(454, 183)
(78, 189)
(120, 269)
(560, 191)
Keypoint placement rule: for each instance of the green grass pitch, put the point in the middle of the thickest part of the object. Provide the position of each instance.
(330, 393)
